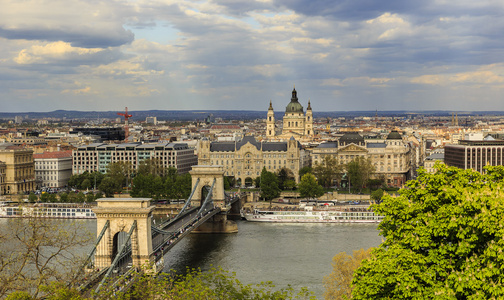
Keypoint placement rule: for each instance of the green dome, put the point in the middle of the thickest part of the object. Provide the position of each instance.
(294, 105)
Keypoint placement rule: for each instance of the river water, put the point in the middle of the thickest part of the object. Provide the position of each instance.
(295, 254)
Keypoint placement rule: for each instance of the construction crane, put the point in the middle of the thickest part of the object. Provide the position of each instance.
(126, 117)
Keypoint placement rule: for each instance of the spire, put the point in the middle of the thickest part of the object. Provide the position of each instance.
(309, 105)
(271, 106)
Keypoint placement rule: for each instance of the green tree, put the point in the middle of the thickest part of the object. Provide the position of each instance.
(120, 173)
(63, 197)
(443, 239)
(359, 170)
(377, 195)
(90, 197)
(289, 184)
(338, 283)
(109, 186)
(309, 187)
(269, 185)
(304, 170)
(32, 198)
(44, 197)
(328, 171)
(284, 175)
(152, 166)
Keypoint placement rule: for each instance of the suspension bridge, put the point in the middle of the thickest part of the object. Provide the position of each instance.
(127, 241)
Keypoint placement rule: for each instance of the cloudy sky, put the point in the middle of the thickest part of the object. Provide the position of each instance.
(240, 54)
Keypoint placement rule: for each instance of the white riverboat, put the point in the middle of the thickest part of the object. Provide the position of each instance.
(308, 215)
(47, 210)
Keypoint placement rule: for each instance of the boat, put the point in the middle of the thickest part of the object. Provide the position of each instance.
(342, 214)
(47, 210)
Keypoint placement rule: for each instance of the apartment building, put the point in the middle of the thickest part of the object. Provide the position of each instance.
(53, 169)
(96, 157)
(475, 154)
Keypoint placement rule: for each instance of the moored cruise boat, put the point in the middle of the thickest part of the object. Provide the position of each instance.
(308, 215)
(47, 210)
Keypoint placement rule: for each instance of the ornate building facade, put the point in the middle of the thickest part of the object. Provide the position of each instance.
(19, 169)
(296, 123)
(245, 159)
(390, 156)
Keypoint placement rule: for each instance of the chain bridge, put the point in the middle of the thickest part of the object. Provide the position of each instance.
(128, 242)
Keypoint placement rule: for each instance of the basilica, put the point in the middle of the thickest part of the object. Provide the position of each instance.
(296, 123)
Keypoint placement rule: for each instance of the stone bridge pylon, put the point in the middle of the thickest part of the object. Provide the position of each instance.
(121, 213)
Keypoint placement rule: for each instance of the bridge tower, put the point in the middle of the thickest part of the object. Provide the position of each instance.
(121, 213)
(203, 177)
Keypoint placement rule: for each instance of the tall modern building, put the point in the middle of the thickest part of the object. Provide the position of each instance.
(19, 169)
(96, 157)
(53, 169)
(296, 122)
(245, 159)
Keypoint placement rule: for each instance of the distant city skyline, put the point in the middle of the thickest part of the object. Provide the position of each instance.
(357, 55)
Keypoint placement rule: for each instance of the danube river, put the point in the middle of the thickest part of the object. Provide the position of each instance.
(295, 254)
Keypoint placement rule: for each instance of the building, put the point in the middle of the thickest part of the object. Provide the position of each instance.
(53, 169)
(151, 120)
(475, 154)
(436, 155)
(390, 156)
(19, 169)
(245, 159)
(106, 133)
(96, 157)
(295, 122)
(3, 170)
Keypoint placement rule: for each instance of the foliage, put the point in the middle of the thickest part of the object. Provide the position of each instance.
(32, 198)
(377, 195)
(120, 174)
(289, 185)
(359, 171)
(328, 171)
(109, 186)
(39, 251)
(304, 170)
(444, 239)
(284, 175)
(152, 166)
(338, 283)
(63, 197)
(309, 187)
(269, 185)
(170, 186)
(85, 180)
(213, 284)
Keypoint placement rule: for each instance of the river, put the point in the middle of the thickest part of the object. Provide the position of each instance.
(295, 254)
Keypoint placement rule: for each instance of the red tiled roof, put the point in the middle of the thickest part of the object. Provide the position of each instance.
(56, 154)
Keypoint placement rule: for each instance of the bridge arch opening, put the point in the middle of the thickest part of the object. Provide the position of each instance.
(117, 241)
(204, 193)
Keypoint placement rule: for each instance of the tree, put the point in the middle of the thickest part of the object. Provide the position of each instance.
(359, 171)
(328, 171)
(304, 170)
(338, 283)
(377, 195)
(269, 185)
(63, 197)
(110, 186)
(120, 173)
(309, 187)
(444, 239)
(152, 166)
(39, 251)
(32, 198)
(284, 175)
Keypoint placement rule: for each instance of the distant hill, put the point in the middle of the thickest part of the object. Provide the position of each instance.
(192, 115)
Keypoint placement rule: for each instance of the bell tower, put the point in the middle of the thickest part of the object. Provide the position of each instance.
(309, 121)
(270, 122)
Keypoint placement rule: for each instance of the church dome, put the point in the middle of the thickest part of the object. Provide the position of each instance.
(294, 106)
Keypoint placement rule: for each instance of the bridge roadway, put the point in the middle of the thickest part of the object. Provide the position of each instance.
(164, 237)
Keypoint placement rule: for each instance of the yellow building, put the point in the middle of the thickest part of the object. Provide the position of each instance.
(296, 123)
(19, 169)
(245, 159)
(390, 156)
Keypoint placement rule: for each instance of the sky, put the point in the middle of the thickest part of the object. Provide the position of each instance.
(341, 55)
